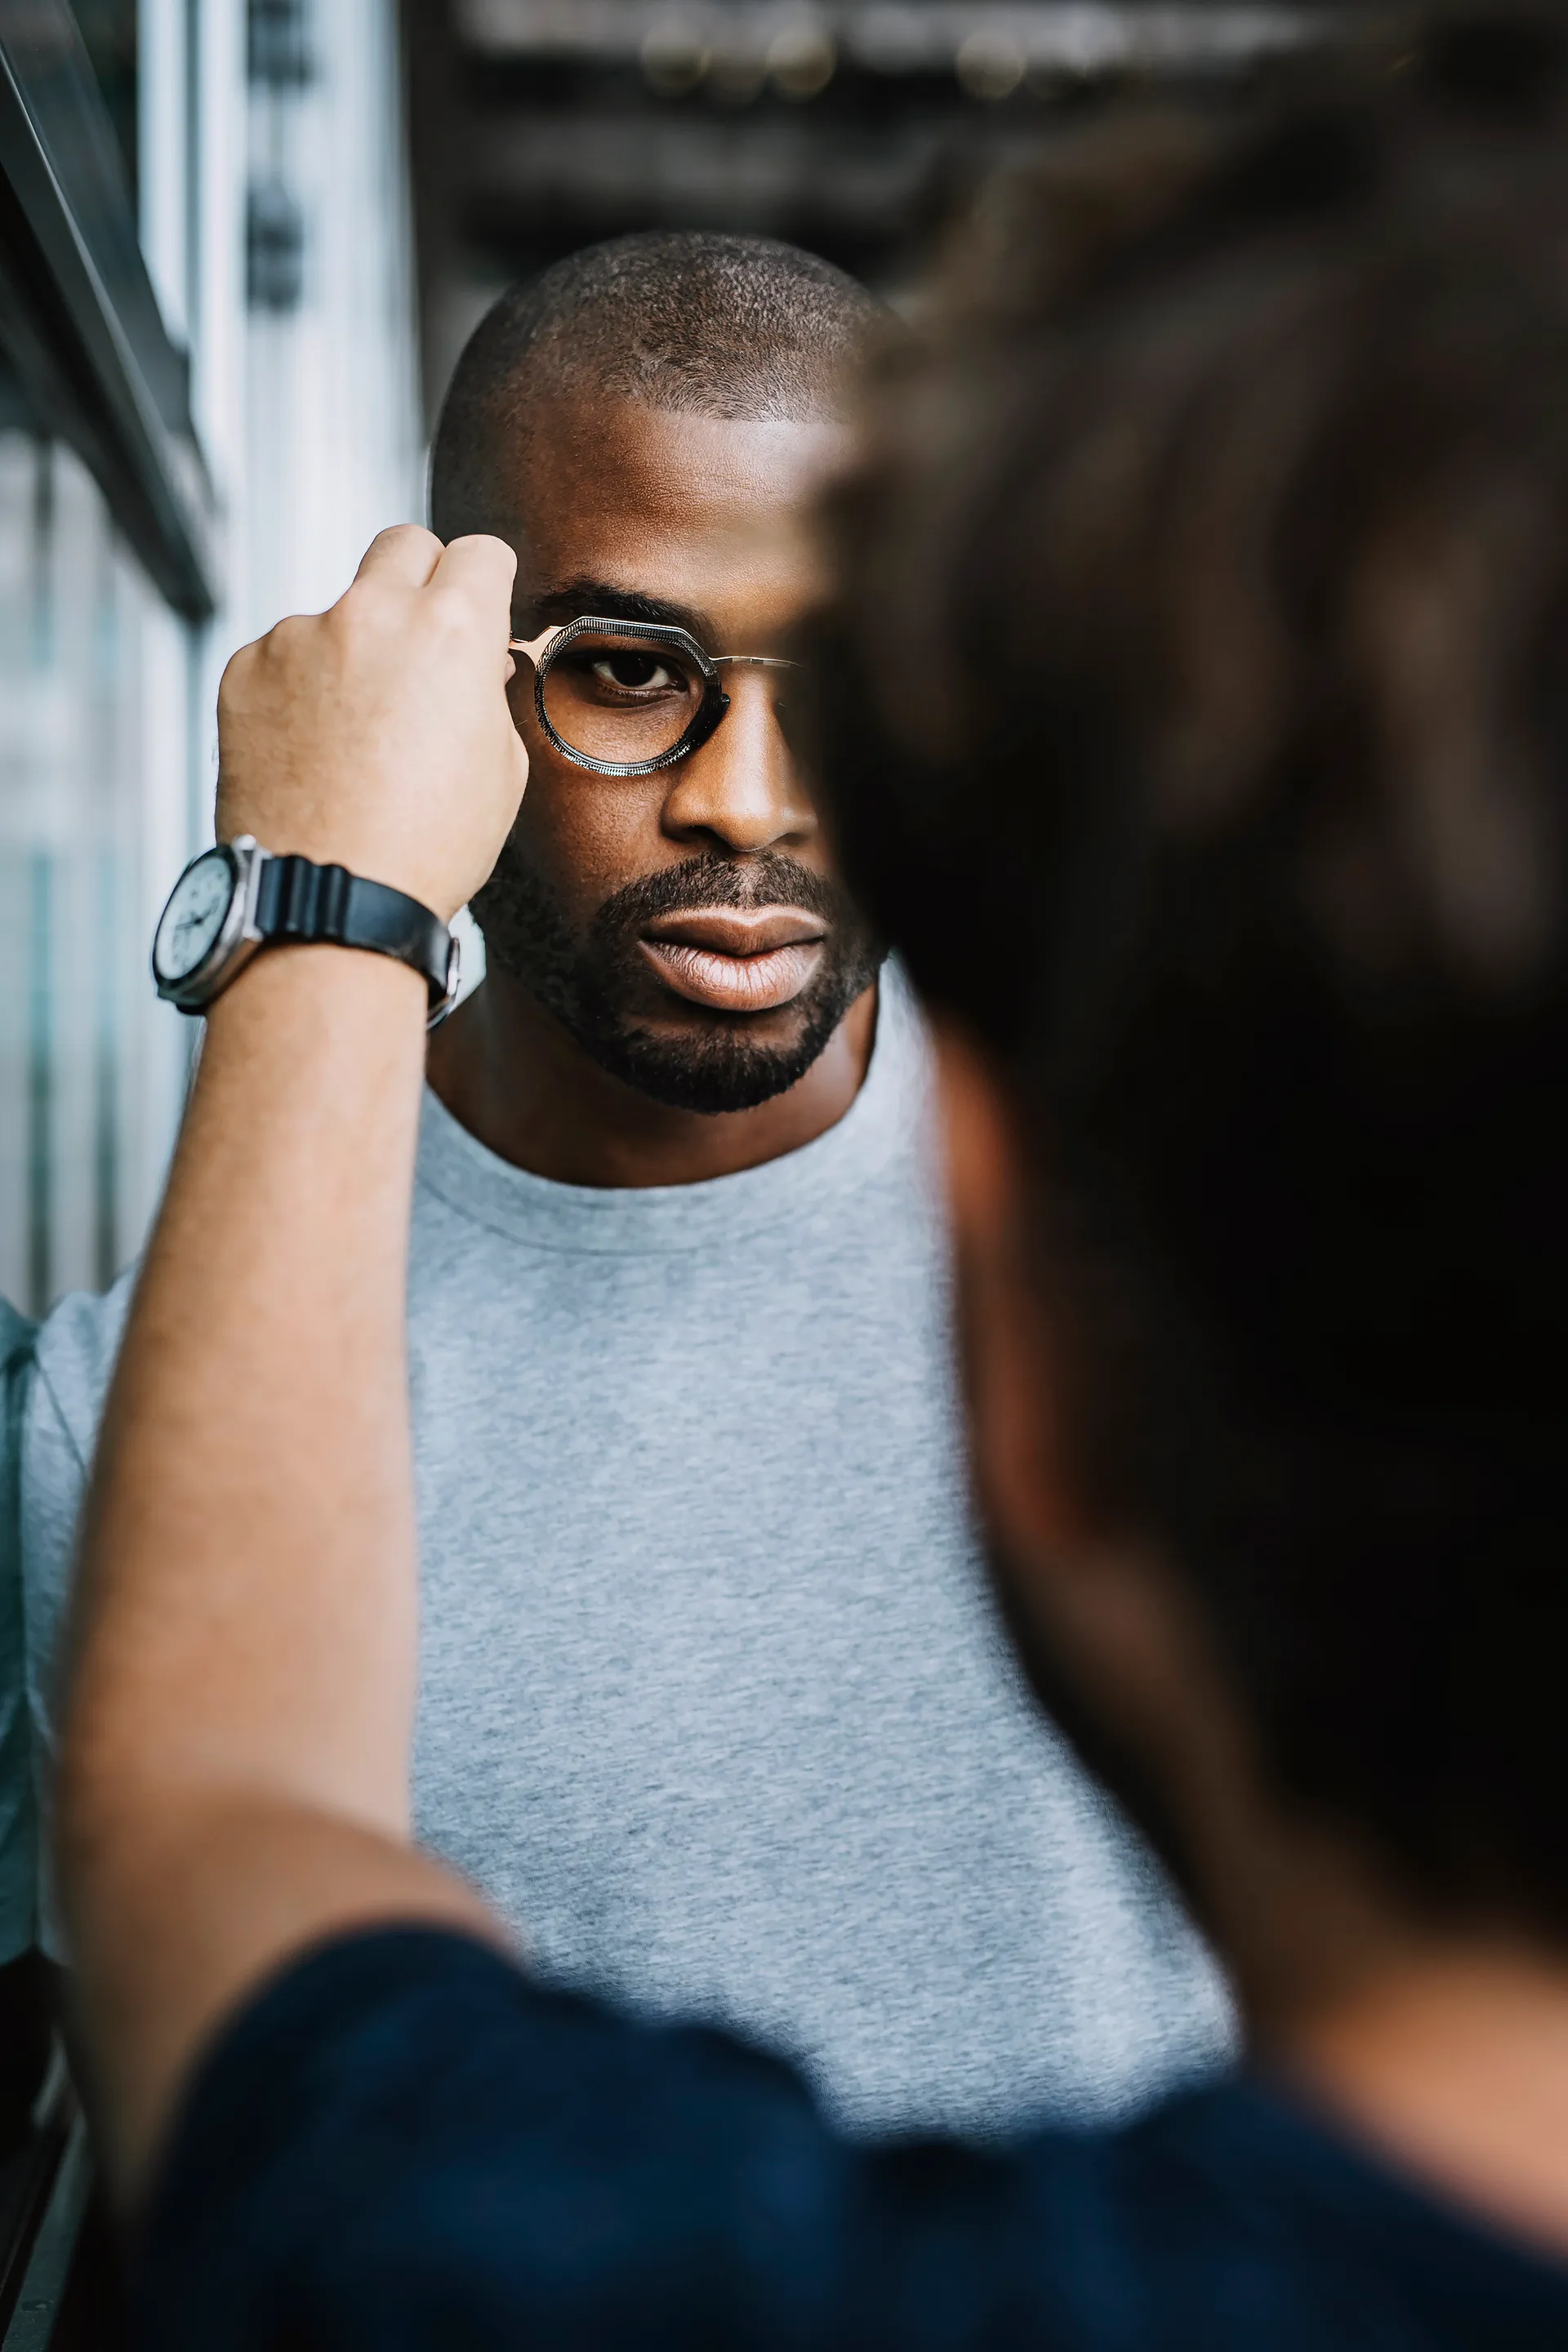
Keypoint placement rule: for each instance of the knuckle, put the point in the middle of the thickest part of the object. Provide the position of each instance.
(450, 616)
(357, 617)
(485, 547)
(284, 638)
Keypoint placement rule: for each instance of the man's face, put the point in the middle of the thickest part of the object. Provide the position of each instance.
(686, 926)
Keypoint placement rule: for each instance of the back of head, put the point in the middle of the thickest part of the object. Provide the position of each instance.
(725, 326)
(1199, 731)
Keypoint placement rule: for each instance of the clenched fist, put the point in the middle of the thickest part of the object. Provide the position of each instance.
(376, 736)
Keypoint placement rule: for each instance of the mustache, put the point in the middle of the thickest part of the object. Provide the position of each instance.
(766, 878)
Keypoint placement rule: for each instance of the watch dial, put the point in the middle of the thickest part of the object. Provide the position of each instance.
(194, 916)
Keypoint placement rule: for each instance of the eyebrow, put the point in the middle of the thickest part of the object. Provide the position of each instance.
(573, 600)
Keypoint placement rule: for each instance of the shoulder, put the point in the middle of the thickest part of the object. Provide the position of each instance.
(60, 1387)
(73, 1361)
(403, 2134)
(403, 2124)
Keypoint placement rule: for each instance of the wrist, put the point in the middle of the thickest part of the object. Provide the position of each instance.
(311, 1072)
(372, 852)
(240, 897)
(320, 998)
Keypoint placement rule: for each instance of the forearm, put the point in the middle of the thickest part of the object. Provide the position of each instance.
(234, 1769)
(249, 1529)
(247, 1602)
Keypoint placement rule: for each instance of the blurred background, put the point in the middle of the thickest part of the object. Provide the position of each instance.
(241, 243)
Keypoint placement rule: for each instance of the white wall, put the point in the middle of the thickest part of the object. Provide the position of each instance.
(333, 445)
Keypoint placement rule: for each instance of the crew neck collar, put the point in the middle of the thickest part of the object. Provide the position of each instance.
(890, 1106)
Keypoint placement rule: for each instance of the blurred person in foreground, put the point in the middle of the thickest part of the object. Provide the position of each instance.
(1196, 724)
(713, 1702)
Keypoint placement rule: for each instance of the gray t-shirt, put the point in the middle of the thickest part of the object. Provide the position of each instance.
(713, 1702)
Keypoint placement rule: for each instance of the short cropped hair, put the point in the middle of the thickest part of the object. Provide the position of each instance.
(725, 326)
(1196, 727)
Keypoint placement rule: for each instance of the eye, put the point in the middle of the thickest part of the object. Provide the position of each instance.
(635, 673)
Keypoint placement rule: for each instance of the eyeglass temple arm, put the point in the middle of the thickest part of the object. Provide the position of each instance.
(534, 647)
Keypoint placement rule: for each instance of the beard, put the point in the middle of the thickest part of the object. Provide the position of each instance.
(590, 979)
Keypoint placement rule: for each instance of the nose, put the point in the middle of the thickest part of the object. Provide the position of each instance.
(741, 788)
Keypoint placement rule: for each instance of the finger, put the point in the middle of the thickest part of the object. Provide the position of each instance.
(404, 553)
(482, 569)
(235, 671)
(520, 775)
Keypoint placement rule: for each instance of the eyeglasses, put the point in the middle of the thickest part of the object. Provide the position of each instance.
(626, 697)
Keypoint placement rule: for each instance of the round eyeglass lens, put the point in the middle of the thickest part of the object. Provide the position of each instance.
(620, 698)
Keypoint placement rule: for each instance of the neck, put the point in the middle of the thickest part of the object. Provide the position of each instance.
(1444, 2050)
(1452, 2061)
(507, 1071)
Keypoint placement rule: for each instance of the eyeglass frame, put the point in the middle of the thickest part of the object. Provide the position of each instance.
(542, 650)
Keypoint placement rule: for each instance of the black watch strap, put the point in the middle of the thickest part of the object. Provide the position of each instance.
(298, 900)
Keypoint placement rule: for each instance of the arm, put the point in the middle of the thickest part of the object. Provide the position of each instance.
(233, 1769)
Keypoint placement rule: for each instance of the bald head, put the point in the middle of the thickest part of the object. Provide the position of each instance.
(736, 326)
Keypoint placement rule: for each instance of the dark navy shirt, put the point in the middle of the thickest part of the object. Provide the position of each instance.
(403, 2143)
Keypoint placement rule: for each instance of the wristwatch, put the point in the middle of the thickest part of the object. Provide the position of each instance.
(239, 898)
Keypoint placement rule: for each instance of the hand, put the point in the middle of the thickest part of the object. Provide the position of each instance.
(377, 735)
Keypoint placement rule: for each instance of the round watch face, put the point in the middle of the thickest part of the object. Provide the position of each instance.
(194, 916)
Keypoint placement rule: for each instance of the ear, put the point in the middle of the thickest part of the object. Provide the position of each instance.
(1009, 1379)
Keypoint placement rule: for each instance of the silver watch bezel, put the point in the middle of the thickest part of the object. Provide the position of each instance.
(453, 980)
(237, 937)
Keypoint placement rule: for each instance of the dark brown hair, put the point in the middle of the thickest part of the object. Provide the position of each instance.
(1197, 729)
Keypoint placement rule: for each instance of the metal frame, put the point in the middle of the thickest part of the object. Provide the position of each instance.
(193, 991)
(543, 651)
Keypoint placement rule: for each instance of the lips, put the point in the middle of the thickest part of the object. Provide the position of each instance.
(736, 959)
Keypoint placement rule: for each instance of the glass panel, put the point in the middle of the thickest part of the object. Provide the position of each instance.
(622, 697)
(79, 1032)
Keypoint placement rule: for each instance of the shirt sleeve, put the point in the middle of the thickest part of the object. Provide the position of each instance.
(62, 1402)
(403, 2143)
(19, 1810)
